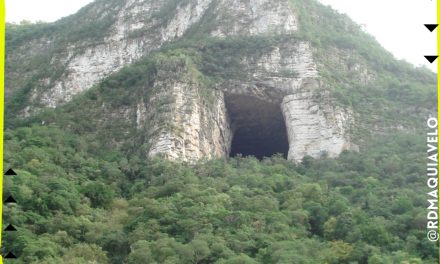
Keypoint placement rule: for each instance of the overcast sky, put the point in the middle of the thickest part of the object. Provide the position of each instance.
(396, 24)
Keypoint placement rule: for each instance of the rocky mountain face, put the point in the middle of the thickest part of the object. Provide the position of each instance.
(199, 79)
(139, 27)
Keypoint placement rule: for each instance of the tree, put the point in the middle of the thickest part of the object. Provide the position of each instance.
(100, 195)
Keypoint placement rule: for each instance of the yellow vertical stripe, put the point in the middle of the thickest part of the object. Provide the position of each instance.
(2, 107)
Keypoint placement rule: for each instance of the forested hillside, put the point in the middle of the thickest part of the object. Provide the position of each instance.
(78, 203)
(88, 192)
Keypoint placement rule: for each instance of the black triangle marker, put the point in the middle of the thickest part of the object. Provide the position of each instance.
(10, 199)
(431, 27)
(10, 256)
(10, 228)
(10, 172)
(431, 59)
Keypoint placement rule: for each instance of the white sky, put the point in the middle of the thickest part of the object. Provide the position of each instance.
(396, 24)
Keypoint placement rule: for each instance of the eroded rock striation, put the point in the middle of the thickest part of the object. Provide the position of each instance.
(273, 100)
(280, 92)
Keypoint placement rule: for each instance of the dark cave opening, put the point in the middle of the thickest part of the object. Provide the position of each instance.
(258, 127)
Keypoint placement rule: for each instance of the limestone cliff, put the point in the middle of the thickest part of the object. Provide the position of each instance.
(138, 28)
(224, 77)
(187, 127)
(186, 119)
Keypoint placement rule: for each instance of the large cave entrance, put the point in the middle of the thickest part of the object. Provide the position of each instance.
(257, 126)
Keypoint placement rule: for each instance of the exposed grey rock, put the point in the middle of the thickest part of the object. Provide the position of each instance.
(177, 119)
(286, 76)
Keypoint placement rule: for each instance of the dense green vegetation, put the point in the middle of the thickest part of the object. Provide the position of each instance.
(80, 202)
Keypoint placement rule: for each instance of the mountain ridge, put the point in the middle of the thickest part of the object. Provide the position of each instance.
(172, 157)
(219, 59)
